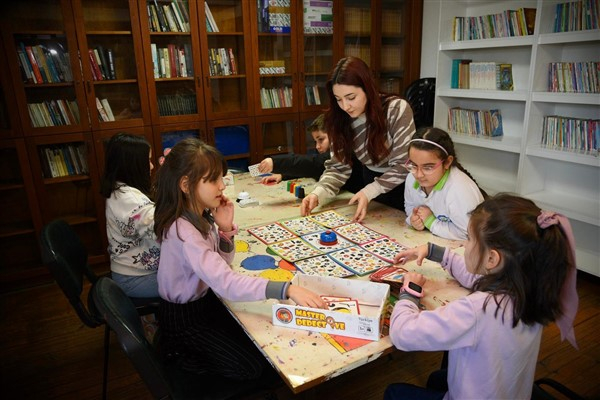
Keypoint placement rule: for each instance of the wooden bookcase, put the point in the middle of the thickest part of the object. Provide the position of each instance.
(207, 100)
(560, 180)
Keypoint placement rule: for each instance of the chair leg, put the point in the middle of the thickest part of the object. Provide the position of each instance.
(106, 348)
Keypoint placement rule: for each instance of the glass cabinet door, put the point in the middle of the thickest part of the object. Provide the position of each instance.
(275, 59)
(172, 59)
(318, 51)
(42, 51)
(234, 138)
(226, 58)
(111, 57)
(277, 135)
(167, 136)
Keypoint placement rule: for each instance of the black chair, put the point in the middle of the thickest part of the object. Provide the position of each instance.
(164, 381)
(420, 94)
(67, 260)
(539, 393)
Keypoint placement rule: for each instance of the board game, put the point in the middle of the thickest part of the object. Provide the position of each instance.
(355, 249)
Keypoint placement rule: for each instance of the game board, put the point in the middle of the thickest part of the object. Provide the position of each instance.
(358, 250)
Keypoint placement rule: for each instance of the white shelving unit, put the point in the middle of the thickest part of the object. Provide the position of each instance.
(565, 181)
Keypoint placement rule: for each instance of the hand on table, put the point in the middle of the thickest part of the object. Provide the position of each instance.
(416, 253)
(415, 277)
(305, 298)
(361, 209)
(308, 204)
(273, 178)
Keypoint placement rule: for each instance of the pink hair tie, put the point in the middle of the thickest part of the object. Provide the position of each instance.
(568, 295)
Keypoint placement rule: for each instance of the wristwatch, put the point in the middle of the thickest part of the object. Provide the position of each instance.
(412, 289)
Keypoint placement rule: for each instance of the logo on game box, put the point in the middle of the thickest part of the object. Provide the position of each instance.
(284, 315)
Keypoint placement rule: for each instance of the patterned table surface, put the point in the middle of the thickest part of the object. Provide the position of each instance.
(303, 358)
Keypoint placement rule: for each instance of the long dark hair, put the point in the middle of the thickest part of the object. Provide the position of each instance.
(535, 261)
(127, 161)
(353, 71)
(197, 161)
(442, 138)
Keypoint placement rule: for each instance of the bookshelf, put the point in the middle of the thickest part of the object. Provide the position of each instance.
(563, 180)
(383, 33)
(59, 114)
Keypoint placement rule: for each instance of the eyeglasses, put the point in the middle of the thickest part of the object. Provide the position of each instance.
(426, 169)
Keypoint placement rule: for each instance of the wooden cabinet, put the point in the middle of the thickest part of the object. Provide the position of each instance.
(244, 76)
(562, 180)
(386, 34)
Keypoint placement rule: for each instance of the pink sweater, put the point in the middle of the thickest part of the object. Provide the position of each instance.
(488, 358)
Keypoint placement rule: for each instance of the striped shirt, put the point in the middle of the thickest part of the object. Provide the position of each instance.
(401, 128)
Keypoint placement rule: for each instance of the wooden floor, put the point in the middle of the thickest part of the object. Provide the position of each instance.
(47, 353)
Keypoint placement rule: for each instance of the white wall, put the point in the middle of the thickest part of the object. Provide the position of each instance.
(429, 39)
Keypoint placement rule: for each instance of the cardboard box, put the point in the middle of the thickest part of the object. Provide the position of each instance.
(372, 299)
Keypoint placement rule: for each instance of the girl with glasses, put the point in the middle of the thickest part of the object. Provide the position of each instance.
(439, 193)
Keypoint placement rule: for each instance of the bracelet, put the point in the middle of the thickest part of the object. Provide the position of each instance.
(231, 233)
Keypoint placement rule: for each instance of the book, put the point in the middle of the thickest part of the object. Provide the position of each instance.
(211, 24)
(34, 65)
(102, 115)
(106, 106)
(496, 123)
(279, 16)
(505, 78)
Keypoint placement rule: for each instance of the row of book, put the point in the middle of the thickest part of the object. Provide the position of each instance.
(475, 122)
(467, 74)
(269, 67)
(577, 16)
(568, 133)
(574, 77)
(44, 63)
(276, 97)
(509, 23)
(172, 61)
(168, 17)
(211, 24)
(274, 16)
(177, 104)
(312, 95)
(103, 63)
(64, 160)
(53, 113)
(105, 113)
(221, 62)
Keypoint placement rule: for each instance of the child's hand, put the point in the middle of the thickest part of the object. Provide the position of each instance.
(416, 221)
(271, 178)
(266, 165)
(415, 277)
(308, 203)
(361, 209)
(305, 298)
(223, 214)
(416, 253)
(424, 212)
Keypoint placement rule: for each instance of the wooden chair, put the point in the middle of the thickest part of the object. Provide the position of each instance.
(67, 260)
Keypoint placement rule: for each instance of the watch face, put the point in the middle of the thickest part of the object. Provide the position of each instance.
(415, 287)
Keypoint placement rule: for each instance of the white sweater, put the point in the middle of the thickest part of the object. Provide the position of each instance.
(132, 243)
(450, 201)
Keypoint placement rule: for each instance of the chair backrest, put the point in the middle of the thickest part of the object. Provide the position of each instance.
(120, 314)
(420, 94)
(66, 257)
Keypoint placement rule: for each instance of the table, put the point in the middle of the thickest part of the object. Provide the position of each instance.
(275, 202)
(302, 358)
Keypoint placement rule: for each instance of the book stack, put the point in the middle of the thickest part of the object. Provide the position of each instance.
(222, 62)
(318, 17)
(475, 122)
(574, 77)
(53, 113)
(269, 67)
(276, 97)
(487, 75)
(173, 61)
(64, 160)
(274, 16)
(177, 104)
(312, 95)
(577, 16)
(168, 17)
(102, 63)
(46, 62)
(105, 113)
(568, 133)
(509, 23)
